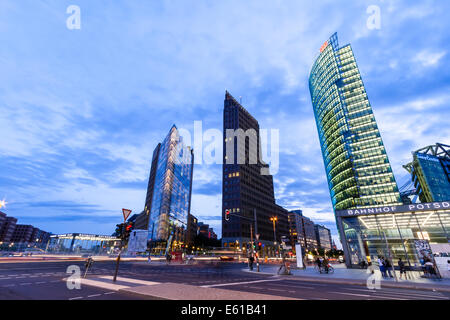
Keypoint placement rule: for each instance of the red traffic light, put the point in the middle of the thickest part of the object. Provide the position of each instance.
(227, 215)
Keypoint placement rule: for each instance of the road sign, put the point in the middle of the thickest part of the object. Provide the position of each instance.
(257, 236)
(126, 213)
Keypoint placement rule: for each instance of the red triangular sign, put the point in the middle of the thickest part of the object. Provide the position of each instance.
(126, 213)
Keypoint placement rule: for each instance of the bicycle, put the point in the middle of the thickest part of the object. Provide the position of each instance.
(322, 269)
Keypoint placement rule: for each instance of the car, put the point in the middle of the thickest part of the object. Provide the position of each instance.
(226, 258)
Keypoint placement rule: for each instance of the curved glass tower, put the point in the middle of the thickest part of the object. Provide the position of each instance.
(169, 192)
(358, 170)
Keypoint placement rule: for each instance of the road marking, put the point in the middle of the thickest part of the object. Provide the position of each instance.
(413, 295)
(75, 298)
(351, 294)
(238, 283)
(25, 283)
(94, 295)
(8, 285)
(40, 282)
(295, 286)
(106, 293)
(129, 280)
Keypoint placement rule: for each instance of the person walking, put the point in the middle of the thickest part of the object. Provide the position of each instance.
(429, 266)
(250, 262)
(319, 264)
(382, 266)
(388, 266)
(325, 264)
(401, 266)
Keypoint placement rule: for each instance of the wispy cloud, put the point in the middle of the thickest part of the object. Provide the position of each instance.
(81, 111)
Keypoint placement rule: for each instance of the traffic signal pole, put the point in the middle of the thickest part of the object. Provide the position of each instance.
(120, 252)
(123, 236)
(227, 218)
(117, 263)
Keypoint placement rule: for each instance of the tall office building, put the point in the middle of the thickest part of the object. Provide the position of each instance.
(430, 172)
(168, 200)
(370, 217)
(302, 230)
(247, 189)
(358, 170)
(323, 236)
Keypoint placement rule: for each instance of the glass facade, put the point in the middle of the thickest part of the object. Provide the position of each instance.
(394, 234)
(430, 172)
(357, 166)
(83, 243)
(171, 198)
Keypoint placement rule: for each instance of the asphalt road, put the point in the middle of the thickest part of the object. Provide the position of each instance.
(44, 280)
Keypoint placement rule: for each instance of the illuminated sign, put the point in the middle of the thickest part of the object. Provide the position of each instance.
(427, 157)
(323, 46)
(394, 209)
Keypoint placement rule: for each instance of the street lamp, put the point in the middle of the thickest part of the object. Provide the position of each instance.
(274, 220)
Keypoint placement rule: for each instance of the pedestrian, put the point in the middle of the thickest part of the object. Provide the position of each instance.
(388, 267)
(363, 264)
(401, 266)
(250, 262)
(325, 264)
(168, 257)
(319, 264)
(429, 266)
(381, 266)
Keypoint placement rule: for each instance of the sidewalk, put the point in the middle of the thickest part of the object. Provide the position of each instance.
(172, 291)
(342, 275)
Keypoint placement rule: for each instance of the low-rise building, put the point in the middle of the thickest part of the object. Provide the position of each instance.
(9, 225)
(22, 233)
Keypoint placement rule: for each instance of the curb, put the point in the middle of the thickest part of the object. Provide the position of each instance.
(363, 283)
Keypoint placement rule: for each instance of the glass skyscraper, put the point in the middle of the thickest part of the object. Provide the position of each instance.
(370, 217)
(169, 191)
(358, 170)
(430, 172)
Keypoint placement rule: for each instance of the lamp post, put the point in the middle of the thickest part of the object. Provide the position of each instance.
(274, 220)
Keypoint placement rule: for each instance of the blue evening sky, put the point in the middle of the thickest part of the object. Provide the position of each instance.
(82, 110)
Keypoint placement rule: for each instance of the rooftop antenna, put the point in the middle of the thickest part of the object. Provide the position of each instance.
(240, 100)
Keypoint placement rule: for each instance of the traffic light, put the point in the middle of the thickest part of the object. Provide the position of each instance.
(119, 230)
(259, 245)
(227, 215)
(128, 228)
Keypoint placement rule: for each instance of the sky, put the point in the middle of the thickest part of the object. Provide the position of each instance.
(81, 110)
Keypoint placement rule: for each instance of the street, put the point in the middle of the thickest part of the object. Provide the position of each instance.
(45, 280)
